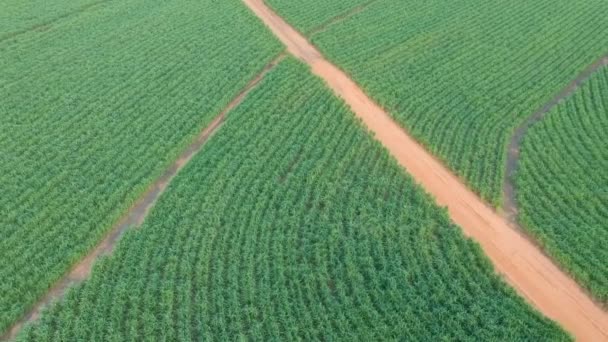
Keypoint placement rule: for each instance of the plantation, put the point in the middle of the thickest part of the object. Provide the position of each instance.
(562, 184)
(311, 15)
(293, 223)
(277, 205)
(461, 75)
(18, 16)
(93, 109)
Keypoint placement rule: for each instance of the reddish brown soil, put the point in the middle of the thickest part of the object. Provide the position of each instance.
(523, 266)
(136, 214)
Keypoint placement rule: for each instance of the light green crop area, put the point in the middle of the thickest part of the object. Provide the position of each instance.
(292, 223)
(93, 109)
(562, 184)
(461, 75)
(310, 15)
(20, 16)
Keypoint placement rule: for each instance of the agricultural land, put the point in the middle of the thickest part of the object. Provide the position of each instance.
(93, 110)
(562, 183)
(461, 75)
(303, 170)
(292, 223)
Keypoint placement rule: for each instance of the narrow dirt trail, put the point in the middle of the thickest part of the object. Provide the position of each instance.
(509, 188)
(135, 216)
(525, 267)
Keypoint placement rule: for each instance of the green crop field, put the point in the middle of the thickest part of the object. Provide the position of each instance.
(460, 75)
(293, 223)
(93, 109)
(295, 217)
(562, 184)
(308, 16)
(19, 16)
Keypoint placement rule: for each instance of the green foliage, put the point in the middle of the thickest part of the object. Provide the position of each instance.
(19, 16)
(93, 109)
(309, 15)
(293, 223)
(461, 75)
(562, 184)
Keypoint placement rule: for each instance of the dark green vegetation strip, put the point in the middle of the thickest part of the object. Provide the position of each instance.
(461, 75)
(293, 223)
(562, 184)
(93, 110)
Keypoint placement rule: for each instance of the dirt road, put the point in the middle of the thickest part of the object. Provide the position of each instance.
(525, 267)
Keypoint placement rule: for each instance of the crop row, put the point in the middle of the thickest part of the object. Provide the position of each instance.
(562, 184)
(309, 15)
(93, 110)
(293, 223)
(461, 75)
(17, 16)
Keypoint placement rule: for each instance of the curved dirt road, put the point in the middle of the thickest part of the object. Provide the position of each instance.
(526, 268)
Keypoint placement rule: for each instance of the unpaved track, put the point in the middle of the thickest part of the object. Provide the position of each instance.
(524, 266)
(509, 188)
(136, 214)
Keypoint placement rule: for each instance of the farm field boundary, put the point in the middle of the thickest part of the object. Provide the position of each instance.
(523, 265)
(137, 213)
(513, 152)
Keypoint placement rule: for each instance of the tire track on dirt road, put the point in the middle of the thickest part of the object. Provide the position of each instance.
(135, 216)
(524, 266)
(513, 151)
